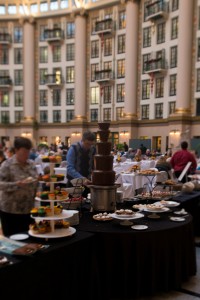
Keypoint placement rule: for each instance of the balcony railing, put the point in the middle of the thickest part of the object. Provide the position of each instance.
(54, 80)
(156, 9)
(5, 82)
(156, 65)
(54, 35)
(5, 38)
(104, 76)
(105, 27)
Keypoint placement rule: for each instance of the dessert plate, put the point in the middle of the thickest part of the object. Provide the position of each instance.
(168, 203)
(181, 212)
(139, 227)
(19, 237)
(177, 219)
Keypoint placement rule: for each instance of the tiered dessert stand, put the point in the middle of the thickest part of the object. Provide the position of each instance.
(54, 233)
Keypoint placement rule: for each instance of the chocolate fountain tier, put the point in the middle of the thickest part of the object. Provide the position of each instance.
(104, 148)
(104, 135)
(103, 177)
(103, 162)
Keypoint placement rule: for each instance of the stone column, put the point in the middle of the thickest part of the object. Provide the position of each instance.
(184, 67)
(131, 64)
(80, 68)
(28, 67)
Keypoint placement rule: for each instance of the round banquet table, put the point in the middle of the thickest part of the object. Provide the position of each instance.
(128, 263)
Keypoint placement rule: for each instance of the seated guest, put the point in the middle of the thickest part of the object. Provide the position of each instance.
(163, 165)
(138, 155)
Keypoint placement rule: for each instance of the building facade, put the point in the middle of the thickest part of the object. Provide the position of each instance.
(66, 65)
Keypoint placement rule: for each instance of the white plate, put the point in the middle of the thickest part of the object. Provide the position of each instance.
(164, 209)
(19, 237)
(139, 227)
(134, 216)
(177, 219)
(181, 212)
(58, 233)
(168, 203)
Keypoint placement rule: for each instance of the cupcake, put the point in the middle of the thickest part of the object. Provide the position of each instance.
(58, 209)
(53, 178)
(60, 177)
(48, 211)
(59, 196)
(41, 212)
(34, 212)
(44, 195)
(51, 196)
(46, 178)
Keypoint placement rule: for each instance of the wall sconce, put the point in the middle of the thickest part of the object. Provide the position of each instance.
(76, 133)
(124, 133)
(26, 134)
(175, 131)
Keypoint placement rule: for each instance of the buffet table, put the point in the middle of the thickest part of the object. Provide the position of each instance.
(131, 263)
(62, 271)
(105, 260)
(191, 203)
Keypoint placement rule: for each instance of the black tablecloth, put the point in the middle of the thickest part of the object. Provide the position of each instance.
(62, 271)
(132, 263)
(191, 203)
(105, 260)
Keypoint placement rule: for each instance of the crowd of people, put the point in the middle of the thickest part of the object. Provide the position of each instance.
(18, 163)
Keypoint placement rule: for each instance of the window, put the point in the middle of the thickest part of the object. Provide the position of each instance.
(146, 58)
(18, 35)
(56, 97)
(70, 76)
(94, 115)
(122, 19)
(43, 116)
(159, 87)
(172, 88)
(70, 52)
(69, 96)
(19, 98)
(174, 29)
(119, 113)
(145, 112)
(42, 32)
(198, 107)
(175, 5)
(172, 107)
(56, 116)
(107, 114)
(160, 33)
(18, 116)
(69, 115)
(198, 81)
(95, 95)
(4, 98)
(94, 68)
(121, 44)
(107, 46)
(43, 73)
(107, 94)
(18, 74)
(121, 68)
(159, 110)
(198, 49)
(5, 117)
(95, 49)
(56, 53)
(43, 98)
(93, 25)
(146, 37)
(43, 55)
(70, 30)
(4, 55)
(173, 57)
(18, 57)
(145, 89)
(120, 92)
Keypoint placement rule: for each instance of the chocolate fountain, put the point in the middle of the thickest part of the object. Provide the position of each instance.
(103, 188)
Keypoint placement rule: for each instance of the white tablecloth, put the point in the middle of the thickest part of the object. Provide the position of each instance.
(135, 181)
